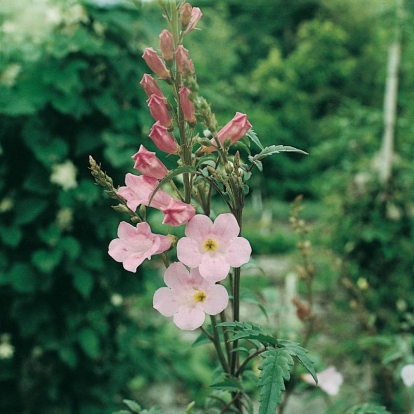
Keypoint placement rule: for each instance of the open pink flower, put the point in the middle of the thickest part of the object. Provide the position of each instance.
(177, 213)
(135, 244)
(189, 297)
(213, 248)
(147, 163)
(329, 380)
(139, 189)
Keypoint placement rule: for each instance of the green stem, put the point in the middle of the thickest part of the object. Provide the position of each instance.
(217, 344)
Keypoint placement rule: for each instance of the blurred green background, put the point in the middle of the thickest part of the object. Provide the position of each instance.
(77, 332)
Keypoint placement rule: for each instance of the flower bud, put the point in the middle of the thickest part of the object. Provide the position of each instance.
(147, 163)
(166, 45)
(150, 86)
(186, 105)
(162, 139)
(195, 17)
(155, 63)
(159, 110)
(185, 65)
(185, 15)
(235, 129)
(177, 213)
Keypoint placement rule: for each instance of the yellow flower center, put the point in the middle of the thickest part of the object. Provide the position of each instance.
(200, 296)
(210, 245)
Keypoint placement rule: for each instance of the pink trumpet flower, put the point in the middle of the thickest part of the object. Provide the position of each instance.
(155, 63)
(159, 110)
(147, 163)
(186, 105)
(188, 297)
(150, 86)
(162, 139)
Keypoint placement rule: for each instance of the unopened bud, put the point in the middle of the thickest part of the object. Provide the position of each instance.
(166, 45)
(185, 15)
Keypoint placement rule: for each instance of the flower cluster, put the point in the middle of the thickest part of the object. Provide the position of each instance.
(209, 249)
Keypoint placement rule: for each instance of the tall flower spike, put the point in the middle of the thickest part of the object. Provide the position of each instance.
(155, 63)
(188, 297)
(213, 248)
(135, 244)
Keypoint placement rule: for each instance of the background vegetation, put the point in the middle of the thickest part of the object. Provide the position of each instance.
(310, 74)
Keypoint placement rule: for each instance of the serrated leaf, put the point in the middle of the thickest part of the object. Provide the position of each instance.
(300, 353)
(368, 408)
(178, 171)
(133, 406)
(273, 149)
(227, 384)
(254, 138)
(275, 369)
(248, 331)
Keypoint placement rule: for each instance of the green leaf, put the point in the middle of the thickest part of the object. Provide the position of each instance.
(11, 236)
(300, 353)
(248, 331)
(275, 369)
(254, 138)
(29, 208)
(22, 278)
(46, 260)
(133, 406)
(83, 282)
(68, 355)
(170, 176)
(367, 408)
(273, 149)
(89, 342)
(71, 246)
(228, 384)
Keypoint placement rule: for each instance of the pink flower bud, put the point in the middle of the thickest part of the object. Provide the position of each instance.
(159, 110)
(147, 163)
(155, 63)
(184, 64)
(166, 45)
(177, 213)
(235, 129)
(150, 86)
(185, 15)
(162, 139)
(186, 105)
(195, 17)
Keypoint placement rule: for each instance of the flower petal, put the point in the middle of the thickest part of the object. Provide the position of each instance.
(187, 252)
(217, 300)
(239, 252)
(226, 226)
(165, 302)
(198, 227)
(176, 277)
(214, 268)
(189, 319)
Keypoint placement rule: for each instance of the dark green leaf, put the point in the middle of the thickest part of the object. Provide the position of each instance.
(83, 282)
(228, 384)
(29, 208)
(275, 369)
(89, 341)
(11, 236)
(367, 408)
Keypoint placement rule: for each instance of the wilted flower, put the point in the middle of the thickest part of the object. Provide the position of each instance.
(213, 247)
(135, 244)
(189, 297)
(329, 380)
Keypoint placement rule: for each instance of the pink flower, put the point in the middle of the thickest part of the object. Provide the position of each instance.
(159, 110)
(234, 129)
(177, 213)
(189, 297)
(407, 375)
(213, 248)
(185, 15)
(135, 244)
(186, 105)
(139, 189)
(150, 86)
(162, 139)
(166, 45)
(195, 17)
(155, 63)
(147, 163)
(329, 380)
(185, 65)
